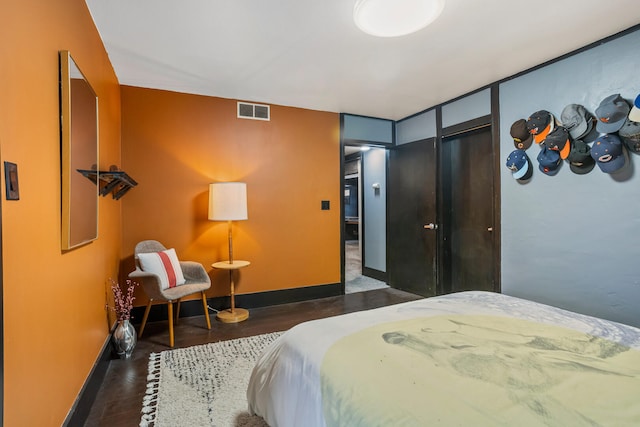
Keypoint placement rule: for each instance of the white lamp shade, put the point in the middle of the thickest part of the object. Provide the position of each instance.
(393, 18)
(228, 201)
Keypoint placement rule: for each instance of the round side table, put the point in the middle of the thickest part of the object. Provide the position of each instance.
(233, 314)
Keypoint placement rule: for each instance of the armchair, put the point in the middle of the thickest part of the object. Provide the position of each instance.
(155, 284)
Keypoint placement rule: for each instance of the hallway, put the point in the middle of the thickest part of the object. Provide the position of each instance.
(354, 280)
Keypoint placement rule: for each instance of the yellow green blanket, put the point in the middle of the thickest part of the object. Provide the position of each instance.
(473, 370)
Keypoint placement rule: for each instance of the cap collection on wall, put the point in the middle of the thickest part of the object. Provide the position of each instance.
(580, 138)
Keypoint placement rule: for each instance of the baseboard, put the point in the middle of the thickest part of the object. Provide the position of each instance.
(256, 300)
(81, 408)
(286, 296)
(376, 274)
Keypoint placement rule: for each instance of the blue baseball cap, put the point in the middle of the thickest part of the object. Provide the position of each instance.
(611, 113)
(549, 161)
(608, 153)
(518, 163)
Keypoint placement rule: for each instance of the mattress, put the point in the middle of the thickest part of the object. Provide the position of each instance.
(470, 358)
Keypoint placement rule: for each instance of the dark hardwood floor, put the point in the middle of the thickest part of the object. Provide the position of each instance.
(119, 400)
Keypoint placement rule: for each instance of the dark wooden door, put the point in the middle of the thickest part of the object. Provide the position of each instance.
(466, 225)
(412, 204)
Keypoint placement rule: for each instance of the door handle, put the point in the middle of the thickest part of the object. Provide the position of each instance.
(490, 229)
(431, 226)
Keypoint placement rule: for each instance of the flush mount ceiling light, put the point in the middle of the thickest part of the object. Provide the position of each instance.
(393, 18)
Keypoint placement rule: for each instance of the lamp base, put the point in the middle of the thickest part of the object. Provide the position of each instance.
(238, 315)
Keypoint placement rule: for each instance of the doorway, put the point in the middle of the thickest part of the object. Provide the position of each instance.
(357, 277)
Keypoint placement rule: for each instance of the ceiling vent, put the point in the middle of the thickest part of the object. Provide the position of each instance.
(253, 111)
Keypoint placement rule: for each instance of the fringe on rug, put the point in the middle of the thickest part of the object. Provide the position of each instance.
(150, 400)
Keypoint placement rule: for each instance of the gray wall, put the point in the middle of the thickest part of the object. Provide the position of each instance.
(375, 208)
(416, 128)
(467, 108)
(572, 240)
(368, 129)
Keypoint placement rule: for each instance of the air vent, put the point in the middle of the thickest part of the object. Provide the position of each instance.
(253, 111)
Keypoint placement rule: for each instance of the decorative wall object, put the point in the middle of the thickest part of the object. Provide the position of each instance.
(79, 151)
(114, 181)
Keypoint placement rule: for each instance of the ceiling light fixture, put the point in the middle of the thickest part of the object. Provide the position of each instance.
(393, 18)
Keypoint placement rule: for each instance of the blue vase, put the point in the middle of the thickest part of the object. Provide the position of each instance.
(124, 339)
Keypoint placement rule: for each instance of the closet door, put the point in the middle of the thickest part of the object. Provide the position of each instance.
(467, 212)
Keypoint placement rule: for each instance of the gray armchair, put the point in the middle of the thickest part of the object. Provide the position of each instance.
(197, 280)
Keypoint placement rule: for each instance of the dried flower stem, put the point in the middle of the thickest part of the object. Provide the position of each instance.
(123, 303)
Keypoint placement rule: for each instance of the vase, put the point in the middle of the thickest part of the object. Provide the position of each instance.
(124, 339)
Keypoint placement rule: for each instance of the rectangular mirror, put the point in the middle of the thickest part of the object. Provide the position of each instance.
(79, 151)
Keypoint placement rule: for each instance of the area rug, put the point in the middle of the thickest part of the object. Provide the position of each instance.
(203, 385)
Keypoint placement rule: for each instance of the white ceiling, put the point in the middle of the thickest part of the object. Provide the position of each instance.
(309, 54)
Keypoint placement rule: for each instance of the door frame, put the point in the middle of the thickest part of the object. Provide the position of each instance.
(493, 121)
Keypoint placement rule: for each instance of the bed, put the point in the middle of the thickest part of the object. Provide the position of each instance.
(470, 358)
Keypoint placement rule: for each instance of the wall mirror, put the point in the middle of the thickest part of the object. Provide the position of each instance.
(79, 152)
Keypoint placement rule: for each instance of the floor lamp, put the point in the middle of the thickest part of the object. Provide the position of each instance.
(228, 202)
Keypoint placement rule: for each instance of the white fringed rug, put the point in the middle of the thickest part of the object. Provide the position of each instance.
(203, 385)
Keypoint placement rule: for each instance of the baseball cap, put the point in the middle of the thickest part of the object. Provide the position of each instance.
(612, 113)
(522, 139)
(629, 133)
(634, 114)
(577, 120)
(558, 140)
(592, 135)
(608, 153)
(540, 124)
(519, 164)
(549, 161)
(580, 160)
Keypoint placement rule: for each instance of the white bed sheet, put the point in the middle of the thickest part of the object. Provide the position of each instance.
(285, 386)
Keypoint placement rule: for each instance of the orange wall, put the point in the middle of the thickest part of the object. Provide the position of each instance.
(54, 303)
(175, 144)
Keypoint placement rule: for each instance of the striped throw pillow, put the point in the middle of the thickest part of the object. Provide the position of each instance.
(165, 264)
